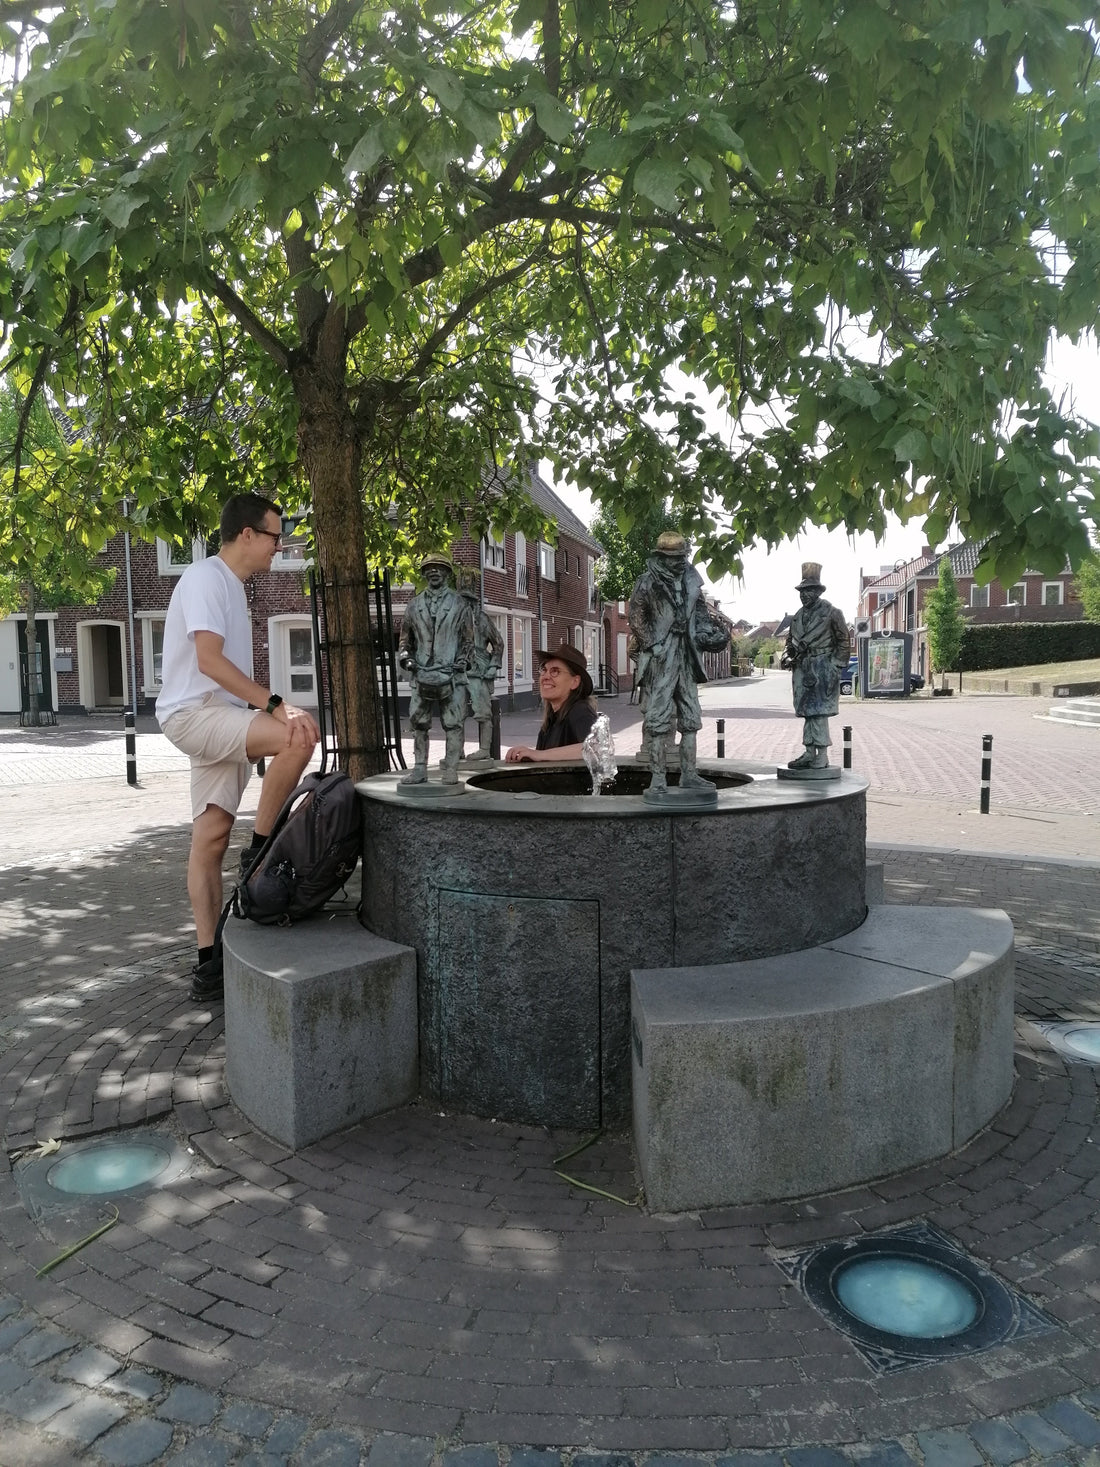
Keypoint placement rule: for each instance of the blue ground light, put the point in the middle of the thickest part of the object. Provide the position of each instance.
(903, 1296)
(1084, 1041)
(105, 1169)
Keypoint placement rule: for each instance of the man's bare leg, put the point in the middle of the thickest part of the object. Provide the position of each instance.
(209, 840)
(285, 767)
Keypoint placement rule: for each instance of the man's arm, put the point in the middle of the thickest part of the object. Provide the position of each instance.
(214, 664)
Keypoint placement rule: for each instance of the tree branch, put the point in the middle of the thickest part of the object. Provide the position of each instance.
(247, 318)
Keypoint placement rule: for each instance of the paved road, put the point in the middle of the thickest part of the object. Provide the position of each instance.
(425, 1289)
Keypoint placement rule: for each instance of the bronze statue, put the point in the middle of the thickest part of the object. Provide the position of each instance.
(818, 647)
(669, 617)
(435, 649)
(482, 672)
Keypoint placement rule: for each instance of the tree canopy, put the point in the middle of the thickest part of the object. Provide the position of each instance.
(626, 550)
(364, 254)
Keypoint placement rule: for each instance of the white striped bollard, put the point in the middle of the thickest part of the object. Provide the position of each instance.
(721, 738)
(131, 749)
(987, 770)
(847, 746)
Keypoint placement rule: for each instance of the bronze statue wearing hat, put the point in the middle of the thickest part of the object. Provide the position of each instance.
(817, 650)
(435, 648)
(670, 621)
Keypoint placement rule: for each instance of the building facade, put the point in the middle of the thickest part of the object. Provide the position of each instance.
(893, 601)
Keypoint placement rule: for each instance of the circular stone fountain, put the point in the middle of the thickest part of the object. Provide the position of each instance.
(529, 901)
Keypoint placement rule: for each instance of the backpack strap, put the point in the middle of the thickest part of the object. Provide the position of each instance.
(307, 786)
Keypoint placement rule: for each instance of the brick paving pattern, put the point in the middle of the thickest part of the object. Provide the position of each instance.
(425, 1290)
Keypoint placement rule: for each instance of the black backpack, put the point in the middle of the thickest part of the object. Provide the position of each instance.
(313, 848)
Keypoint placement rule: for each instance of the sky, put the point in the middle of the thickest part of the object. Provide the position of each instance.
(767, 592)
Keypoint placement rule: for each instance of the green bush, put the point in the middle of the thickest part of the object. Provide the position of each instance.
(1026, 644)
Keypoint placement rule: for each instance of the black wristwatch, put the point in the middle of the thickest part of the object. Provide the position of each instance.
(273, 702)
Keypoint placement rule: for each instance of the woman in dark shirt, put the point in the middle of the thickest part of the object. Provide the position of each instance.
(568, 709)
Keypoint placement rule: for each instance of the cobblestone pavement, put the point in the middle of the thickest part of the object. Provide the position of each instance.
(426, 1288)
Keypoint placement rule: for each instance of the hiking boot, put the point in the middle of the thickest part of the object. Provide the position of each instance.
(207, 980)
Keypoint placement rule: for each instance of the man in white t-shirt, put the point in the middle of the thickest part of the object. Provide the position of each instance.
(203, 709)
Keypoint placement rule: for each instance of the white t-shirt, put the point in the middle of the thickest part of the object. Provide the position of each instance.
(208, 598)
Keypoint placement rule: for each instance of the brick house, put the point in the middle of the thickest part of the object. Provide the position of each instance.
(538, 595)
(894, 599)
(88, 655)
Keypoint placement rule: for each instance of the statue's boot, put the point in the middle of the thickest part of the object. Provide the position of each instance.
(452, 756)
(418, 774)
(485, 738)
(657, 755)
(815, 756)
(690, 778)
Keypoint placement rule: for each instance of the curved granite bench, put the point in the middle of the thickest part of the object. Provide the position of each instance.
(813, 1071)
(320, 1025)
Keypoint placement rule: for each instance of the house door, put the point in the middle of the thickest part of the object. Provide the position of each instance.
(41, 662)
(293, 671)
(108, 679)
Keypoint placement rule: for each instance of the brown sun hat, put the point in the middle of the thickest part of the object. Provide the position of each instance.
(572, 659)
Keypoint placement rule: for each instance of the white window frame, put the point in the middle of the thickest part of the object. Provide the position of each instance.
(166, 566)
(294, 555)
(495, 552)
(1017, 600)
(521, 564)
(548, 562)
(150, 682)
(1057, 586)
(499, 617)
(979, 596)
(521, 643)
(591, 567)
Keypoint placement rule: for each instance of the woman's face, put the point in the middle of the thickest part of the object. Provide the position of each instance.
(556, 682)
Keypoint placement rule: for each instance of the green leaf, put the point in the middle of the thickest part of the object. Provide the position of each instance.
(366, 153)
(554, 117)
(911, 446)
(659, 180)
(120, 205)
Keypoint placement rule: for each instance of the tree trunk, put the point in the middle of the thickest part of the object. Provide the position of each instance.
(33, 714)
(330, 453)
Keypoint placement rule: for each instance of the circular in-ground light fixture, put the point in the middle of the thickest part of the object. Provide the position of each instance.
(907, 1296)
(114, 1166)
(912, 1297)
(1083, 1040)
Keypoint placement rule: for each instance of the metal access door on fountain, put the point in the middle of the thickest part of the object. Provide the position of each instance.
(518, 1019)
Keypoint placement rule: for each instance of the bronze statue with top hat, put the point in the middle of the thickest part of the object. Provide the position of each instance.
(817, 651)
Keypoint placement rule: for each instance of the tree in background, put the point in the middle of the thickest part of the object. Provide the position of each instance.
(1087, 585)
(627, 545)
(945, 621)
(368, 257)
(52, 526)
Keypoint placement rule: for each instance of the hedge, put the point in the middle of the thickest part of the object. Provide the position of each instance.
(1026, 644)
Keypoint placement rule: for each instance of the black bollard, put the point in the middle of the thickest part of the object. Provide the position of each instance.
(494, 739)
(721, 738)
(847, 746)
(131, 749)
(987, 769)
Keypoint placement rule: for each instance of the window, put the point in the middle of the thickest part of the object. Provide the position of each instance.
(979, 596)
(293, 553)
(494, 551)
(1017, 594)
(152, 650)
(591, 583)
(173, 560)
(521, 564)
(547, 562)
(500, 621)
(1053, 592)
(300, 649)
(521, 650)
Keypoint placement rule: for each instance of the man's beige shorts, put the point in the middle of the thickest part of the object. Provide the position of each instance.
(214, 737)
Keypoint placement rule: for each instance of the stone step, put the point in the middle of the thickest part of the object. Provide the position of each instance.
(1082, 711)
(813, 1071)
